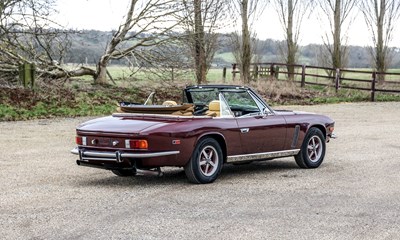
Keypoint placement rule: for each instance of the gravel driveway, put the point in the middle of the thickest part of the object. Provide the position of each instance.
(355, 194)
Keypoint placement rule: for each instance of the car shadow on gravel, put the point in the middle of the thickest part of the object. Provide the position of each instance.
(261, 167)
(171, 176)
(176, 176)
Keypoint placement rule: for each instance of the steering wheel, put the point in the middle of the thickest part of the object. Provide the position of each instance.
(200, 109)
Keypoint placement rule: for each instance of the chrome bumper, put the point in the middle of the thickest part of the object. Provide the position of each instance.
(117, 156)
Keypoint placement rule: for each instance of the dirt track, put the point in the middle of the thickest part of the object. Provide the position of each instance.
(353, 195)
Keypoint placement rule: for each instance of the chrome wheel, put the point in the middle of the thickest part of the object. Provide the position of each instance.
(208, 161)
(312, 151)
(314, 148)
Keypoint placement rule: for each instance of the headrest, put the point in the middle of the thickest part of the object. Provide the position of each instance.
(169, 103)
(214, 105)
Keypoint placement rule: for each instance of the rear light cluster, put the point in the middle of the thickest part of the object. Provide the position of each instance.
(81, 140)
(136, 144)
(129, 143)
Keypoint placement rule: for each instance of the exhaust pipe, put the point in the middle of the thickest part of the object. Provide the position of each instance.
(157, 173)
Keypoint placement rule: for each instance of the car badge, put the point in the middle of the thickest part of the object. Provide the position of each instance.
(115, 143)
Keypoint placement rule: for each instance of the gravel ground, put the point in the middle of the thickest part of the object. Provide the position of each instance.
(353, 195)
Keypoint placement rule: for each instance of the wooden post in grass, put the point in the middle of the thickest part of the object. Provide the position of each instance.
(224, 75)
(27, 74)
(256, 72)
(233, 72)
(272, 70)
(337, 79)
(303, 76)
(373, 86)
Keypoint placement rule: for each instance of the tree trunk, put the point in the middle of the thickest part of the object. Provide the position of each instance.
(337, 55)
(291, 45)
(246, 48)
(380, 48)
(200, 58)
(101, 71)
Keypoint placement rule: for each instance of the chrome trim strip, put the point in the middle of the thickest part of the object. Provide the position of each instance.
(112, 156)
(261, 156)
(154, 115)
(102, 159)
(149, 155)
(98, 154)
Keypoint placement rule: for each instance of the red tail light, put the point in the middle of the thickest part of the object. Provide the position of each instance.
(136, 144)
(80, 140)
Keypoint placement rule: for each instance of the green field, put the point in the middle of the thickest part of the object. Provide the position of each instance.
(125, 76)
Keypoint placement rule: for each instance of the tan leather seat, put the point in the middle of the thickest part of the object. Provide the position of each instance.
(214, 109)
(169, 103)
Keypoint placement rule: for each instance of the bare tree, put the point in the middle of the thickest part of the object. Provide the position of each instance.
(249, 11)
(27, 35)
(172, 60)
(380, 16)
(291, 14)
(339, 14)
(147, 24)
(201, 20)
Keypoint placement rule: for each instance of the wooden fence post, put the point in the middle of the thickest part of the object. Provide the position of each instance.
(256, 72)
(27, 74)
(224, 75)
(303, 76)
(337, 79)
(233, 72)
(272, 70)
(373, 86)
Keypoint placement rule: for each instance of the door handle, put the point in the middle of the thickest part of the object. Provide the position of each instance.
(244, 130)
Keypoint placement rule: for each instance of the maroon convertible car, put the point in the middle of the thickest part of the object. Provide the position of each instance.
(214, 125)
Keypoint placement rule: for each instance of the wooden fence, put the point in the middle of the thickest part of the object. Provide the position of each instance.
(321, 76)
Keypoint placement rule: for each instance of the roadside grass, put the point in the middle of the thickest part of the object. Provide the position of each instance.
(55, 100)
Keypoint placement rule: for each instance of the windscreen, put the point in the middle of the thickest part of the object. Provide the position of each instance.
(203, 96)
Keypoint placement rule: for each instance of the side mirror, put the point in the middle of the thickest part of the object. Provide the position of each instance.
(266, 112)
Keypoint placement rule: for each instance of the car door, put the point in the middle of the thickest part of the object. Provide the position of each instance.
(260, 131)
(263, 133)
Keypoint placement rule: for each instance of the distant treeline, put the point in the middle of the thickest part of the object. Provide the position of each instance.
(87, 46)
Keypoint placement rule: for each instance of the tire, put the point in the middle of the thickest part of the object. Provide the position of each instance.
(124, 173)
(312, 150)
(206, 162)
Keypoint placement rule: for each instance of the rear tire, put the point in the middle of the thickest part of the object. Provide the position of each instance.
(312, 150)
(124, 173)
(206, 162)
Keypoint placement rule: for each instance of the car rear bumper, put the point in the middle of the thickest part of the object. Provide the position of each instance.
(116, 156)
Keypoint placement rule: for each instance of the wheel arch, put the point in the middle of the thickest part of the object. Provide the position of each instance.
(220, 139)
(320, 127)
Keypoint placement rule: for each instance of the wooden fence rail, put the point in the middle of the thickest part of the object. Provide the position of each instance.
(331, 77)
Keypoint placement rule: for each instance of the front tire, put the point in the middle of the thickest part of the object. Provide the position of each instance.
(312, 150)
(206, 162)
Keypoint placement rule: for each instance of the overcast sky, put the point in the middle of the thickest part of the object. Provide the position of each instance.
(107, 15)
